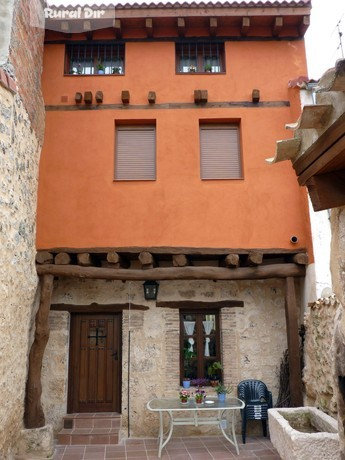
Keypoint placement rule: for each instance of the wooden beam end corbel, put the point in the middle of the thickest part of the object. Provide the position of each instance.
(149, 27)
(125, 97)
(277, 26)
(245, 26)
(181, 27)
(200, 96)
(117, 28)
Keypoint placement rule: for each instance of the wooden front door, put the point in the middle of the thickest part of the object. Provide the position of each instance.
(95, 367)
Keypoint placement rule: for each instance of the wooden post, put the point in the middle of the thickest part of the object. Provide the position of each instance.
(33, 414)
(291, 313)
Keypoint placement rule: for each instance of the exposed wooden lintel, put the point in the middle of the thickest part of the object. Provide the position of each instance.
(96, 308)
(175, 273)
(192, 305)
(180, 260)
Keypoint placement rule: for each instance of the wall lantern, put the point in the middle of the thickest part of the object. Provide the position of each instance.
(151, 290)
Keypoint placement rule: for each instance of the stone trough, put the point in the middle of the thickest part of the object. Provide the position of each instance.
(304, 433)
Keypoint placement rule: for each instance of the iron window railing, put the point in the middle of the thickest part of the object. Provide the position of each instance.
(95, 59)
(201, 57)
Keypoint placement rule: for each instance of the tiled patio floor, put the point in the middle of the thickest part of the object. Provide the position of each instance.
(191, 448)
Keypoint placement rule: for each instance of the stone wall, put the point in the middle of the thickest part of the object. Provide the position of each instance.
(320, 389)
(253, 339)
(20, 146)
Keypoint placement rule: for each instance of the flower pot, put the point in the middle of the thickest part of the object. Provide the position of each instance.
(184, 400)
(199, 401)
(221, 397)
(186, 383)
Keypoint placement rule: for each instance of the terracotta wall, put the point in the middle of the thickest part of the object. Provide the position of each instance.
(80, 205)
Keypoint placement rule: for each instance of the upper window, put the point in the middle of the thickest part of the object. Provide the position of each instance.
(220, 156)
(93, 59)
(200, 343)
(135, 152)
(200, 57)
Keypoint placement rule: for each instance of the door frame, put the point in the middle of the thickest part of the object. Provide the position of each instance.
(70, 362)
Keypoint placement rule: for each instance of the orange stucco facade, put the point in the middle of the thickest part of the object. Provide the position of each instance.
(81, 205)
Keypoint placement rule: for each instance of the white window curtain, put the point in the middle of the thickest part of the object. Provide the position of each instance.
(208, 326)
(189, 328)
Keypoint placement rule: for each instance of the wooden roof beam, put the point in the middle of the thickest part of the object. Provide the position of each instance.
(175, 273)
(327, 190)
(277, 26)
(149, 27)
(213, 27)
(181, 27)
(117, 26)
(305, 23)
(147, 260)
(245, 26)
(180, 260)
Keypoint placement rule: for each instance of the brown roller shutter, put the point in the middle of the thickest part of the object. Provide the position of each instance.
(220, 156)
(135, 153)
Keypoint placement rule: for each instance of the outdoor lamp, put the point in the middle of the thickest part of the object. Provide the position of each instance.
(150, 290)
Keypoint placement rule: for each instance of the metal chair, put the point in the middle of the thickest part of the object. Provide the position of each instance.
(257, 401)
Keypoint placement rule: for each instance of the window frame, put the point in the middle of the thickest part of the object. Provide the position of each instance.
(202, 361)
(193, 57)
(89, 54)
(132, 166)
(226, 163)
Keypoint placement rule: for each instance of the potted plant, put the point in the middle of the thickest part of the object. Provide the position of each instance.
(213, 373)
(100, 68)
(116, 70)
(199, 396)
(184, 396)
(222, 390)
(208, 68)
(192, 68)
(186, 382)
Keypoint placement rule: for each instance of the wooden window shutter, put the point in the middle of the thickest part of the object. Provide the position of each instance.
(135, 153)
(220, 156)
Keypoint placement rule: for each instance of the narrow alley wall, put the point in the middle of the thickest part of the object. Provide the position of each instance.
(21, 137)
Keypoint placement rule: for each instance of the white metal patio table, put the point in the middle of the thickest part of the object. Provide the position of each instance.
(195, 415)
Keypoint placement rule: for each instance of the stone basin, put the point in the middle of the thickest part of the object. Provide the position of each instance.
(304, 433)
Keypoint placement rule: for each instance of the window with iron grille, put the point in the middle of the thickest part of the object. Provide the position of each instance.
(135, 152)
(199, 343)
(220, 153)
(93, 59)
(200, 57)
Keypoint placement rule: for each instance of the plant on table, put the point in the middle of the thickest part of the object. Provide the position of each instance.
(199, 395)
(222, 390)
(184, 396)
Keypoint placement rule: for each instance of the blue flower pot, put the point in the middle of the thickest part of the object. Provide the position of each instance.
(186, 383)
(221, 397)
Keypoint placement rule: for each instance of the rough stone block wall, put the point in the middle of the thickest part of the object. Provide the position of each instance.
(253, 339)
(26, 57)
(318, 378)
(20, 146)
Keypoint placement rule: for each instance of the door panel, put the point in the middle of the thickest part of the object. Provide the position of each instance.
(95, 370)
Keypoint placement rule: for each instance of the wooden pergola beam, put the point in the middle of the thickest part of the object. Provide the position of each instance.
(33, 413)
(175, 273)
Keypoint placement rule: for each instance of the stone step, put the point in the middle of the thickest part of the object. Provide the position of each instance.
(87, 429)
